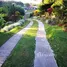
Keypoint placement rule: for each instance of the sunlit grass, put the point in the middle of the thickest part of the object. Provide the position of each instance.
(23, 54)
(4, 36)
(32, 32)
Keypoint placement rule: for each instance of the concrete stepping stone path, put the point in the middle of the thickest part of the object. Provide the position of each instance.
(6, 49)
(44, 56)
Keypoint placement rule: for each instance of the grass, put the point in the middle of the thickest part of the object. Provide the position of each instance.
(4, 36)
(58, 41)
(23, 54)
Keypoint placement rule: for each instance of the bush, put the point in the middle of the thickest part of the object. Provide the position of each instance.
(15, 12)
(2, 22)
(20, 9)
(36, 12)
(65, 12)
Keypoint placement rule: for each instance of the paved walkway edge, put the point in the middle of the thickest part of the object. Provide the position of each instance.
(7, 47)
(44, 56)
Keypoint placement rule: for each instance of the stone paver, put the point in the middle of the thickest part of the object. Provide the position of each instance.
(44, 56)
(6, 48)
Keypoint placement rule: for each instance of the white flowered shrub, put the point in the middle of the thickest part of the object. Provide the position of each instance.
(11, 26)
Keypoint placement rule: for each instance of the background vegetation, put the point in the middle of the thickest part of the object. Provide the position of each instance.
(10, 11)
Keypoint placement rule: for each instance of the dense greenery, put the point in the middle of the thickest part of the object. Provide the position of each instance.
(47, 1)
(13, 8)
(10, 11)
(44, 7)
(50, 3)
(2, 22)
(59, 10)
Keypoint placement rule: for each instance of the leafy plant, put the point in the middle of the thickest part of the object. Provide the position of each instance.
(2, 22)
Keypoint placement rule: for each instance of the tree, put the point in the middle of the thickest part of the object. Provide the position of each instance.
(13, 8)
(20, 9)
(27, 4)
(1, 2)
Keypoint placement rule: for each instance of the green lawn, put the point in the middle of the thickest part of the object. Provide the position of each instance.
(4, 36)
(58, 41)
(23, 54)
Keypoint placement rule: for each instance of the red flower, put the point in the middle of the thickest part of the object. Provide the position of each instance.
(49, 10)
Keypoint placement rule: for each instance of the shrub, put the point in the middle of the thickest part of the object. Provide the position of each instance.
(17, 13)
(31, 14)
(2, 22)
(20, 9)
(36, 12)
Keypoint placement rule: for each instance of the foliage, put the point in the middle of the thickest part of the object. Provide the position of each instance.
(36, 12)
(1, 3)
(47, 1)
(20, 9)
(43, 8)
(13, 8)
(9, 9)
(14, 12)
(65, 12)
(31, 14)
(57, 3)
(27, 4)
(65, 4)
(17, 13)
(20, 3)
(57, 8)
(3, 9)
(3, 14)
(2, 21)
(50, 3)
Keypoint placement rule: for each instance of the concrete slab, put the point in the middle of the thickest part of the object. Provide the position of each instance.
(44, 56)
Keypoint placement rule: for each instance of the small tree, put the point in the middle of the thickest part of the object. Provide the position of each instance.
(14, 12)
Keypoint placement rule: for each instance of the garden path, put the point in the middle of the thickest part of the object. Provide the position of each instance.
(44, 56)
(7, 47)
